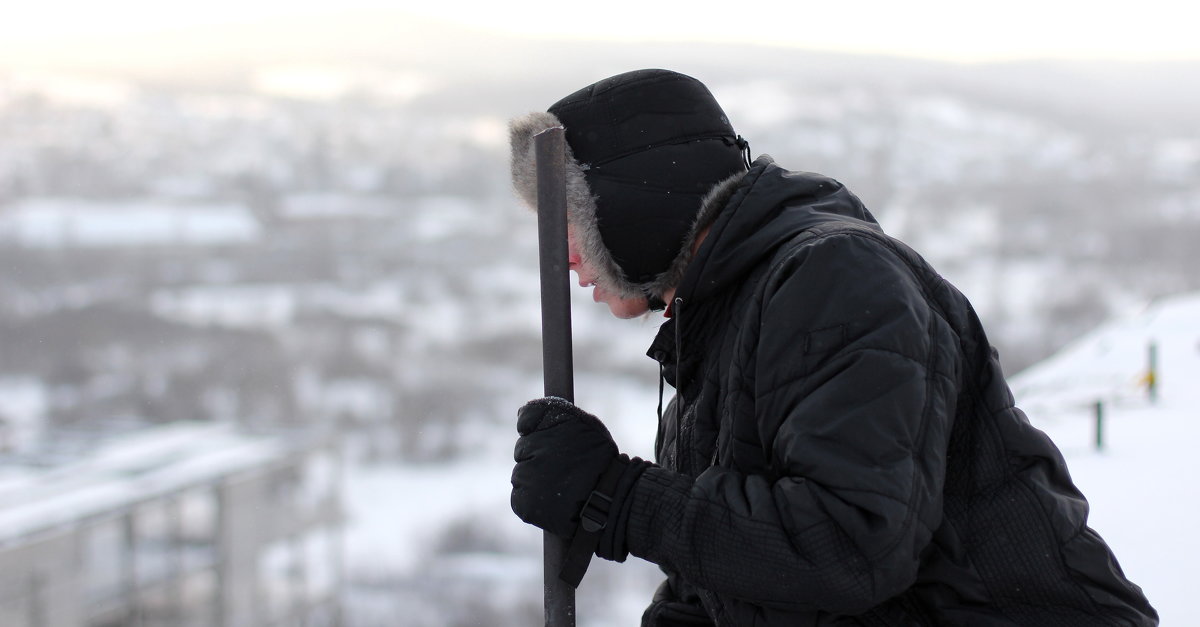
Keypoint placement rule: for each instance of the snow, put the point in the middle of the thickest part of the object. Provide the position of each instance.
(238, 306)
(1111, 362)
(964, 233)
(56, 223)
(23, 405)
(1177, 159)
(1141, 483)
(403, 522)
(126, 470)
(445, 217)
(394, 513)
(1140, 486)
(326, 205)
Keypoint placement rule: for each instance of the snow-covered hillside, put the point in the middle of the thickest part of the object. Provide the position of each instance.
(1142, 482)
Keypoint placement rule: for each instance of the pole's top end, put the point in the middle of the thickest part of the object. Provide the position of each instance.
(547, 130)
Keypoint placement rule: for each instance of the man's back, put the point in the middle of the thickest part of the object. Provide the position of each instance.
(1008, 543)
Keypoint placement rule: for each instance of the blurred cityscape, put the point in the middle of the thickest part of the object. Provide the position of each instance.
(349, 261)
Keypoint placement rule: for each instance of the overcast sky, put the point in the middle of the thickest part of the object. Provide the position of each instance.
(957, 30)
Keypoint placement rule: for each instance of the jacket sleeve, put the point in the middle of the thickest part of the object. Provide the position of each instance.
(850, 383)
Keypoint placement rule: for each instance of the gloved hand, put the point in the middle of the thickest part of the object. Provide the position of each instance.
(561, 455)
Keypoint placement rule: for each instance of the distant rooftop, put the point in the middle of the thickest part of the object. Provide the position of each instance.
(68, 222)
(124, 471)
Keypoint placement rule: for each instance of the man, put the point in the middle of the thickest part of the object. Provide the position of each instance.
(842, 448)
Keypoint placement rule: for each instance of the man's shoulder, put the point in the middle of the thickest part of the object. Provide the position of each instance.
(843, 237)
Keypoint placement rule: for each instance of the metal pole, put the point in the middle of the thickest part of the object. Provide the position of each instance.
(550, 147)
(1152, 371)
(1099, 425)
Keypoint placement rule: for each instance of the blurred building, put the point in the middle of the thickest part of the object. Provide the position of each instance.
(183, 524)
(72, 223)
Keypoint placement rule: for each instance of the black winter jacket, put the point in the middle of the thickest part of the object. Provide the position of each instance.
(842, 448)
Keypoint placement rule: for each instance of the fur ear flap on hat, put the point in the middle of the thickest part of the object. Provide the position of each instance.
(581, 204)
(643, 150)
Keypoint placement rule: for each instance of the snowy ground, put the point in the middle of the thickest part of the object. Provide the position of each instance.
(432, 540)
(440, 526)
(1142, 483)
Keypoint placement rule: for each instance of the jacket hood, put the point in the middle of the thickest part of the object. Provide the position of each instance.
(755, 214)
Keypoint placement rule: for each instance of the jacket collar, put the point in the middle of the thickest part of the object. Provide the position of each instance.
(756, 214)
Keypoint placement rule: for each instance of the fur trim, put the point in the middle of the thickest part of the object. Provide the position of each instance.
(581, 203)
(582, 209)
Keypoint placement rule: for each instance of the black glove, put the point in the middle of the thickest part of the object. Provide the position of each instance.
(564, 455)
(561, 454)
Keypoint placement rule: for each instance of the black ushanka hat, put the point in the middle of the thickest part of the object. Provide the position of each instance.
(646, 147)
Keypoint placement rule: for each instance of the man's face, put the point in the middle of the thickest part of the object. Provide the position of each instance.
(620, 307)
